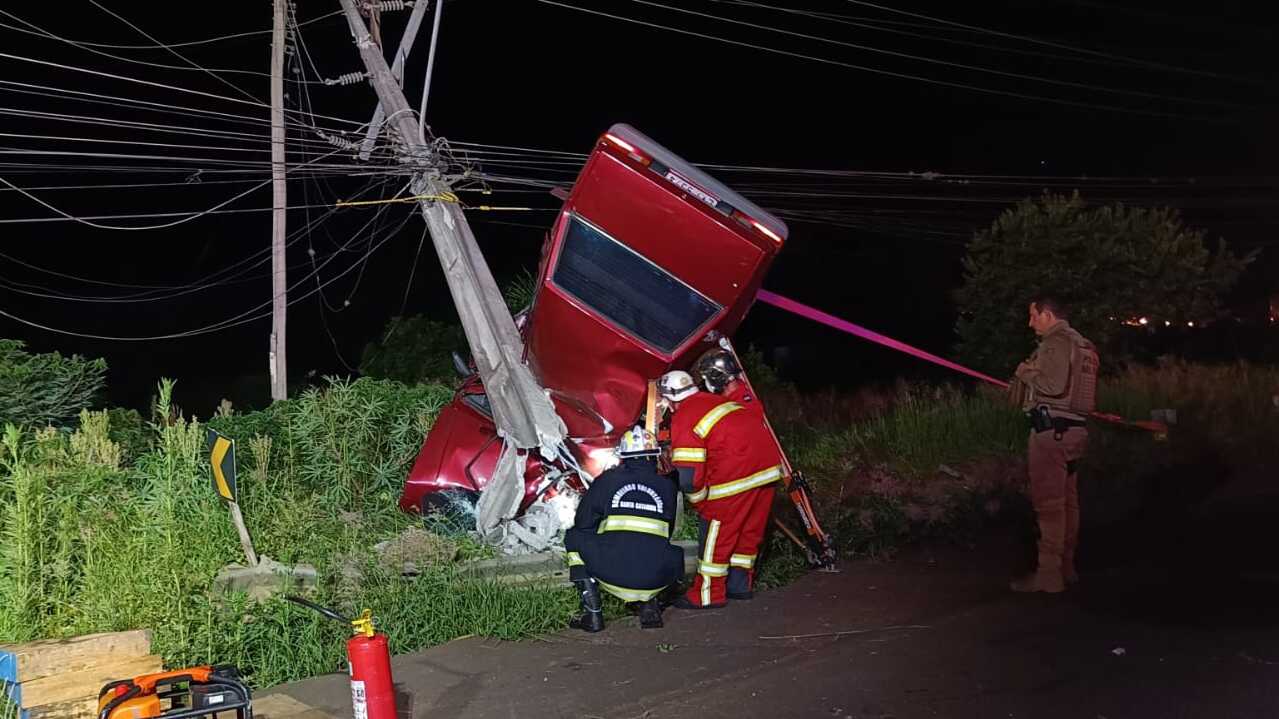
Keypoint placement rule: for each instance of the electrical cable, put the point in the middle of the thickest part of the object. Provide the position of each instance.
(206, 41)
(207, 282)
(149, 83)
(864, 68)
(946, 63)
(216, 327)
(1059, 46)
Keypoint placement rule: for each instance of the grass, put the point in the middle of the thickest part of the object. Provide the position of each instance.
(114, 526)
(918, 462)
(92, 544)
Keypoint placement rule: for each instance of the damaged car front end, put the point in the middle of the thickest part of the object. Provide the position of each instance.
(649, 260)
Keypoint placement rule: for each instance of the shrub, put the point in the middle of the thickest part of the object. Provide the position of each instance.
(413, 350)
(41, 389)
(1107, 264)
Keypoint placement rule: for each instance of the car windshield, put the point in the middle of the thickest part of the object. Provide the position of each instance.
(627, 289)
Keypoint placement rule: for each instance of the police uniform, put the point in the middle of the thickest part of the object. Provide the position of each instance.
(621, 534)
(734, 463)
(1059, 383)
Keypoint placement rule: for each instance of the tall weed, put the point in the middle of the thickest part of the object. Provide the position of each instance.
(93, 546)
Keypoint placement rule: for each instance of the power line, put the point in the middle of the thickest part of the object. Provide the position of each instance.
(190, 43)
(934, 61)
(149, 83)
(236, 321)
(207, 282)
(1060, 46)
(877, 25)
(864, 68)
(118, 102)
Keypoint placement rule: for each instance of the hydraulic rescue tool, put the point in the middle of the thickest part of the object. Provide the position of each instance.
(202, 691)
(819, 547)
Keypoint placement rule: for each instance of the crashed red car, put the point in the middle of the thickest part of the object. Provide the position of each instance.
(648, 258)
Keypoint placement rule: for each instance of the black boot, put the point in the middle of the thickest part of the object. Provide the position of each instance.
(592, 618)
(650, 614)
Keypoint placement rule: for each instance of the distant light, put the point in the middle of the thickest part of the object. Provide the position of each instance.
(1143, 321)
(1190, 324)
(1167, 323)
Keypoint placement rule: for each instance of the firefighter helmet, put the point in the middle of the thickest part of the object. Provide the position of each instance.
(716, 368)
(637, 442)
(677, 385)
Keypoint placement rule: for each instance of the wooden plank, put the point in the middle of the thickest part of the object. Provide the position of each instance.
(85, 683)
(77, 709)
(35, 660)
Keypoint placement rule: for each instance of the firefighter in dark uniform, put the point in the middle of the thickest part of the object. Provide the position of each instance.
(620, 540)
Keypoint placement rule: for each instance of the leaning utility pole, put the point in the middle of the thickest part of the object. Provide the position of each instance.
(522, 410)
(397, 70)
(279, 204)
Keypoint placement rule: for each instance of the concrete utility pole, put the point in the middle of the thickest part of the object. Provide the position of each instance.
(522, 410)
(279, 203)
(397, 69)
(430, 68)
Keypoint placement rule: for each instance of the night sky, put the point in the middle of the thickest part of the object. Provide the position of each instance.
(1168, 105)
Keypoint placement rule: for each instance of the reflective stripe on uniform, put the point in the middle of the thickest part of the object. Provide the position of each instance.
(697, 496)
(631, 523)
(710, 569)
(574, 559)
(708, 558)
(744, 561)
(737, 486)
(711, 418)
(627, 594)
(688, 454)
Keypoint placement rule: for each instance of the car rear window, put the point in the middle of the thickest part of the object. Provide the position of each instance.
(627, 289)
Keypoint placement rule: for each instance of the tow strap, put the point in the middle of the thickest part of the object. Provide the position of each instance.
(812, 313)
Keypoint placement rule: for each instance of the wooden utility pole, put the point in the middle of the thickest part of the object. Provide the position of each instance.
(279, 203)
(522, 409)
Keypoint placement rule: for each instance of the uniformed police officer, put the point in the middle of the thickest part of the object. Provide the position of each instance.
(620, 540)
(1057, 388)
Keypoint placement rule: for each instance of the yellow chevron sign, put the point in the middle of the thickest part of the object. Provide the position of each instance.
(222, 460)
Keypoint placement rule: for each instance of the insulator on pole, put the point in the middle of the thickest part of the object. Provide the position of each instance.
(349, 78)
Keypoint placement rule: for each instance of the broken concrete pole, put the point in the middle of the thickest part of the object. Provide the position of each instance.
(267, 579)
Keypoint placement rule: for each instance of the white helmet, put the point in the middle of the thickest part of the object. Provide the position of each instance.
(677, 385)
(637, 442)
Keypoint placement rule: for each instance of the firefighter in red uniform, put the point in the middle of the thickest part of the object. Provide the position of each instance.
(727, 464)
(720, 374)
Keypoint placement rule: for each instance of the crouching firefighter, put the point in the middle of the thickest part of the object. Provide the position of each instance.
(727, 463)
(620, 539)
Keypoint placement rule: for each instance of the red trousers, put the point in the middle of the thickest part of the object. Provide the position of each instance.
(731, 533)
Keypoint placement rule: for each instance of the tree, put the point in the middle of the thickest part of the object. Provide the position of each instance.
(1108, 264)
(43, 389)
(414, 350)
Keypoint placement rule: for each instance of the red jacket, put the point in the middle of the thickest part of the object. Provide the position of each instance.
(726, 444)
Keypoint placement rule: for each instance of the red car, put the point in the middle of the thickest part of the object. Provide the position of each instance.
(647, 257)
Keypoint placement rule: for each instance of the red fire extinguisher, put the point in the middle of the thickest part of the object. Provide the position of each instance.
(369, 664)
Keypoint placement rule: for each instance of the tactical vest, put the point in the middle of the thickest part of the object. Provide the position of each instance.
(1080, 395)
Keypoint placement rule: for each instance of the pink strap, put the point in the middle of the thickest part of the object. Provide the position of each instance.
(817, 315)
